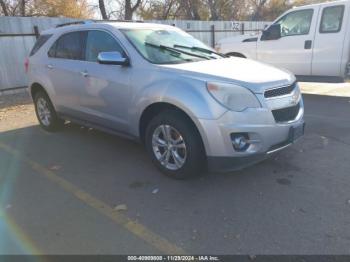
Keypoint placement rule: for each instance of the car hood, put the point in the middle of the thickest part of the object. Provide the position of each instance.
(245, 72)
(237, 38)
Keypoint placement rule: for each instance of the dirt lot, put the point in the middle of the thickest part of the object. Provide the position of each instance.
(81, 191)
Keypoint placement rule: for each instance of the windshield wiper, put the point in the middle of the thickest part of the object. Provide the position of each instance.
(175, 50)
(201, 49)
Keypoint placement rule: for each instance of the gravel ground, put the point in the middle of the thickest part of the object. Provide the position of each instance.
(16, 107)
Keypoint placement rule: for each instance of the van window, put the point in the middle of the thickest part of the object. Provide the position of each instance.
(296, 22)
(39, 43)
(99, 41)
(68, 46)
(332, 18)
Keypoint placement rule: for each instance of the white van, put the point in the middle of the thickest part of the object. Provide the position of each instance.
(312, 40)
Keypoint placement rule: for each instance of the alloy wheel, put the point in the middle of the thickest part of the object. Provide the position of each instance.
(44, 112)
(169, 147)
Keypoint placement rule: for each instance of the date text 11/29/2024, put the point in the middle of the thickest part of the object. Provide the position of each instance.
(173, 258)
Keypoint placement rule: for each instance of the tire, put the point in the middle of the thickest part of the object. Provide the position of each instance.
(46, 113)
(185, 149)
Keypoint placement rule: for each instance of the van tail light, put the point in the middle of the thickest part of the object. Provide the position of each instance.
(26, 65)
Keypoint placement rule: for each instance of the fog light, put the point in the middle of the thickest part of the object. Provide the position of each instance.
(240, 141)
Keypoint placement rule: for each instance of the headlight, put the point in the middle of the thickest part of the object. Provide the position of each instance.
(233, 97)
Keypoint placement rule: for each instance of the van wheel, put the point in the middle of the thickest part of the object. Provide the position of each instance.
(175, 145)
(46, 113)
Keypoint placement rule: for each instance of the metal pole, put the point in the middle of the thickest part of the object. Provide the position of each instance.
(212, 30)
(242, 28)
(36, 31)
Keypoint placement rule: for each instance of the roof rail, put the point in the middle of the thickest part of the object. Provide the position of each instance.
(83, 22)
(119, 21)
(75, 23)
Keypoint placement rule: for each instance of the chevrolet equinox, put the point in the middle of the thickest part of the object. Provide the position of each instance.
(191, 107)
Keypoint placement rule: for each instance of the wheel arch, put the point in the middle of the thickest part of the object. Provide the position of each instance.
(156, 108)
(36, 87)
(236, 54)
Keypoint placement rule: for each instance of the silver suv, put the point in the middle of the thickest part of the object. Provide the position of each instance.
(191, 107)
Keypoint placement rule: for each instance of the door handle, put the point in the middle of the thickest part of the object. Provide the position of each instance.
(307, 44)
(49, 66)
(84, 73)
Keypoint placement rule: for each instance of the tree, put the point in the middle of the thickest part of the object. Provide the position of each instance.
(257, 6)
(274, 8)
(224, 9)
(154, 9)
(4, 8)
(101, 5)
(194, 9)
(23, 7)
(159, 9)
(66, 8)
(191, 9)
(130, 8)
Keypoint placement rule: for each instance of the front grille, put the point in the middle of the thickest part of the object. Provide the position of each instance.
(285, 90)
(286, 114)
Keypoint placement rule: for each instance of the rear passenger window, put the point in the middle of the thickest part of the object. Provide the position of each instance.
(39, 43)
(52, 51)
(99, 41)
(332, 18)
(69, 46)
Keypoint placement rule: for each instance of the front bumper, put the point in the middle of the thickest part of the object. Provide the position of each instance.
(225, 164)
(268, 135)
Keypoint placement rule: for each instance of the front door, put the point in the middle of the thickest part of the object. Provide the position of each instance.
(293, 51)
(106, 93)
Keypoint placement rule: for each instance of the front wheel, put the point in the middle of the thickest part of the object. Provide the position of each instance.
(46, 113)
(175, 145)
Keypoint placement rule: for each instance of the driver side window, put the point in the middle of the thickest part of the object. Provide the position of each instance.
(296, 23)
(99, 41)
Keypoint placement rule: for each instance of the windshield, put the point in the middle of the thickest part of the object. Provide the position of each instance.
(164, 46)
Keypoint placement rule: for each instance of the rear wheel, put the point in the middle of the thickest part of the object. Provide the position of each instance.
(175, 145)
(46, 113)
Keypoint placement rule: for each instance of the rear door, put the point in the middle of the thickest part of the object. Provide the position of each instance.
(293, 51)
(64, 67)
(329, 40)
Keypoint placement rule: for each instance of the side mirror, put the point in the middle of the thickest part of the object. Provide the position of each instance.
(272, 33)
(112, 58)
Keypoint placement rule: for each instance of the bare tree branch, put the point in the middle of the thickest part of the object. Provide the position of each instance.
(23, 7)
(102, 7)
(130, 9)
(4, 8)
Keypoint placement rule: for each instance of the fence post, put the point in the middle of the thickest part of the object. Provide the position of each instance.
(36, 31)
(212, 31)
(242, 29)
